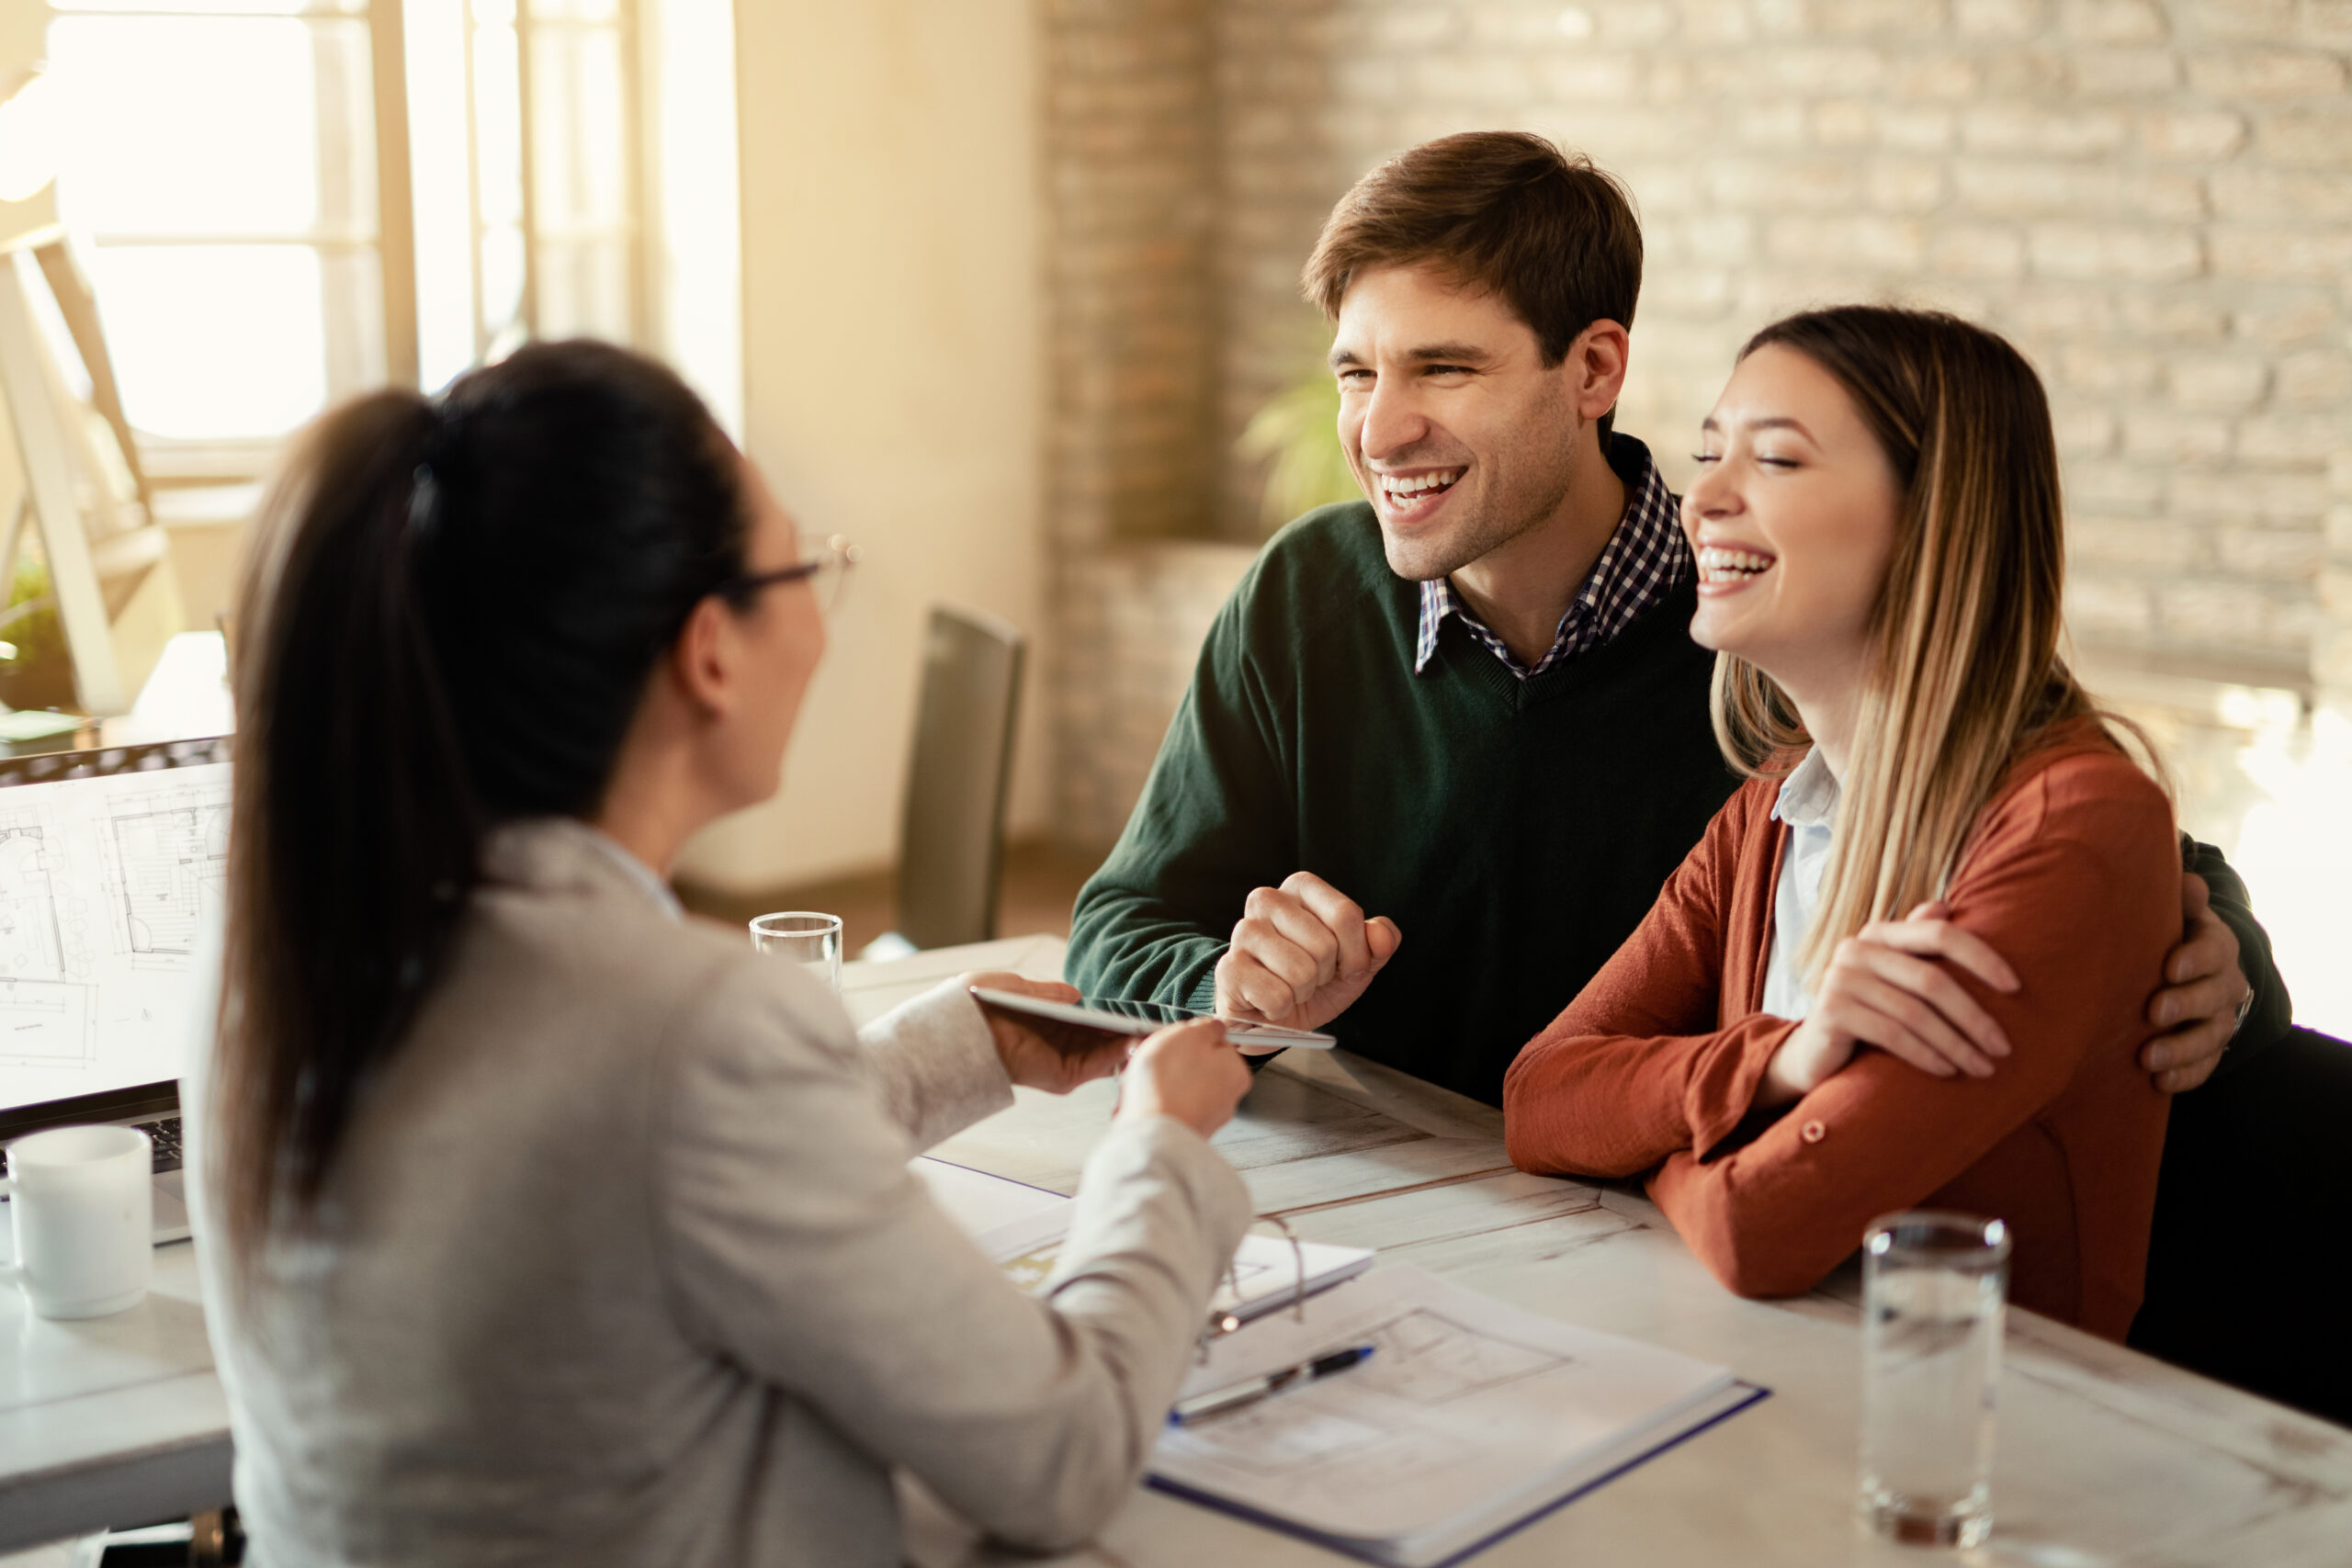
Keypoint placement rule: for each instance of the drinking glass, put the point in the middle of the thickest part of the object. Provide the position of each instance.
(1933, 1290)
(810, 939)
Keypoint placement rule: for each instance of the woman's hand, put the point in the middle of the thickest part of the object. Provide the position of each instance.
(1884, 989)
(1187, 1072)
(1031, 1058)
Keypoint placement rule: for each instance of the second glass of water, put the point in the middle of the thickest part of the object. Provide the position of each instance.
(1934, 1286)
(807, 938)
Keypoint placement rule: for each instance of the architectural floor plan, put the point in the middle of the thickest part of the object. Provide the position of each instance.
(107, 887)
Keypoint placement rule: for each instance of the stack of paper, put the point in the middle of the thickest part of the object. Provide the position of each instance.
(1468, 1419)
(1023, 1227)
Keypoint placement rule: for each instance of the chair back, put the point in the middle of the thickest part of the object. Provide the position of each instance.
(951, 842)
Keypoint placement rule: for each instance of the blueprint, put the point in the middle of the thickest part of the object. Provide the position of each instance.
(106, 887)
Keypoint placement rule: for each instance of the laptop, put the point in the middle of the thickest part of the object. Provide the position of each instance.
(113, 866)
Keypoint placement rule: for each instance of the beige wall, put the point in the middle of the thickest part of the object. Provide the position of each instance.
(892, 377)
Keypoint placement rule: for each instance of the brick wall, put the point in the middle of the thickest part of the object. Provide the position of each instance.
(2152, 200)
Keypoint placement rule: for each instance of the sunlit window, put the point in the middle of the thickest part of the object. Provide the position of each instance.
(223, 167)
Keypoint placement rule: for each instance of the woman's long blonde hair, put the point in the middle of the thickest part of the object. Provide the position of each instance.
(1965, 673)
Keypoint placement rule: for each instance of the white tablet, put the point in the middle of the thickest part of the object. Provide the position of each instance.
(1087, 1022)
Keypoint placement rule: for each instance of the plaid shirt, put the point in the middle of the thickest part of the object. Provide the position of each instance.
(1647, 560)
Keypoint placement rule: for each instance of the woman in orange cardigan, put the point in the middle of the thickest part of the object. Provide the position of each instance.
(1907, 963)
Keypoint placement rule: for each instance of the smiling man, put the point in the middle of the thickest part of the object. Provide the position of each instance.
(1443, 746)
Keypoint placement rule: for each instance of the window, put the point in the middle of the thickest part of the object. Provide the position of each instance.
(242, 173)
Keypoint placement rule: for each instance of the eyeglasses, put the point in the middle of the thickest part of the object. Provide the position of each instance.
(824, 565)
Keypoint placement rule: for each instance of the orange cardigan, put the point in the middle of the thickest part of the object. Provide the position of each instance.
(2073, 875)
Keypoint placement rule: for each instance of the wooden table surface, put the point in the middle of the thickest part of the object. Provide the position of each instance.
(2104, 1457)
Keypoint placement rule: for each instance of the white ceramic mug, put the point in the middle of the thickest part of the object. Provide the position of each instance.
(82, 1201)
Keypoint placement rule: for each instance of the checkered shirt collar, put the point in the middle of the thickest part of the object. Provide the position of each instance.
(1647, 560)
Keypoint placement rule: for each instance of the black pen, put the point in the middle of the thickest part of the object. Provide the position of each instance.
(1249, 1391)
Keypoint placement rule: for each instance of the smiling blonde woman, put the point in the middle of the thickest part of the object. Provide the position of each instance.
(1907, 963)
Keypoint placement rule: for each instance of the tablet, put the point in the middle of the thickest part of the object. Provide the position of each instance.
(1085, 1023)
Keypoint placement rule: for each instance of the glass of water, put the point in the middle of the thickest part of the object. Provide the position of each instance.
(809, 939)
(1933, 1290)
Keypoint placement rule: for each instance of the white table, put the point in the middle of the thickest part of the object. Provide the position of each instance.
(2105, 1457)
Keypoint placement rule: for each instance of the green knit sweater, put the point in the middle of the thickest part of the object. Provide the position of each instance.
(1515, 830)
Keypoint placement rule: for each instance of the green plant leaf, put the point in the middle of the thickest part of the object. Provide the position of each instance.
(1299, 429)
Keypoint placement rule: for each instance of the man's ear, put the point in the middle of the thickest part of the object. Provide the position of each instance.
(1599, 358)
(703, 663)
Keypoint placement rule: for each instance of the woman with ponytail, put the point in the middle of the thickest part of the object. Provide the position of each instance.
(542, 1225)
(1907, 963)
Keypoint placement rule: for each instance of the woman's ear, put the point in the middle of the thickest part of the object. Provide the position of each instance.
(706, 663)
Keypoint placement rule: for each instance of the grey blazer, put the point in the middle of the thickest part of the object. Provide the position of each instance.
(621, 1263)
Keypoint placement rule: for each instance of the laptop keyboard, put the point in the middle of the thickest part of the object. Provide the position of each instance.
(166, 1134)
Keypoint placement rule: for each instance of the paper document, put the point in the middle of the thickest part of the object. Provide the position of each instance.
(1469, 1418)
(1022, 1228)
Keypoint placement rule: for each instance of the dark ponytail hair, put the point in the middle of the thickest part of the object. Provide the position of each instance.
(450, 612)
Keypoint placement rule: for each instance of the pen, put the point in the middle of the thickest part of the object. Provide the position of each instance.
(1217, 1402)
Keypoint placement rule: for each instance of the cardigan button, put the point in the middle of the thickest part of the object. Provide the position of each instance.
(1812, 1132)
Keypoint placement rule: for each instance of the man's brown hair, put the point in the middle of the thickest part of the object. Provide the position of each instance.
(1548, 233)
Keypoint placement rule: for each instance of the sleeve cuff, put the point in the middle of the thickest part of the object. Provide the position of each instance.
(1204, 997)
(1125, 1205)
(934, 1060)
(1722, 1087)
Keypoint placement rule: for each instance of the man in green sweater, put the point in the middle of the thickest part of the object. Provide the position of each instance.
(1442, 748)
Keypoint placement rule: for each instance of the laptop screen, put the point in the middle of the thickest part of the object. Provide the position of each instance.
(112, 867)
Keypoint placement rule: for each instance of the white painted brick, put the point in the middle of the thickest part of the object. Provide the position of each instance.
(2124, 72)
(2113, 21)
(2105, 369)
(2115, 250)
(1635, 21)
(2217, 381)
(2176, 437)
(2290, 318)
(1766, 125)
(2287, 555)
(2325, 23)
(1907, 184)
(2115, 487)
(1936, 78)
(2029, 128)
(2152, 198)
(2284, 254)
(2118, 608)
(2265, 494)
(2194, 133)
(1588, 78)
(1410, 27)
(1867, 241)
(1999, 18)
(2302, 195)
(2036, 187)
(2135, 541)
(2217, 613)
(2318, 136)
(1844, 122)
(1781, 184)
(1911, 128)
(2291, 437)
(2316, 376)
(1977, 250)
(2259, 76)
(2241, 18)
(2083, 430)
(2164, 317)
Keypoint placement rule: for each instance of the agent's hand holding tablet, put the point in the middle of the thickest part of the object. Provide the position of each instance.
(1083, 1026)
